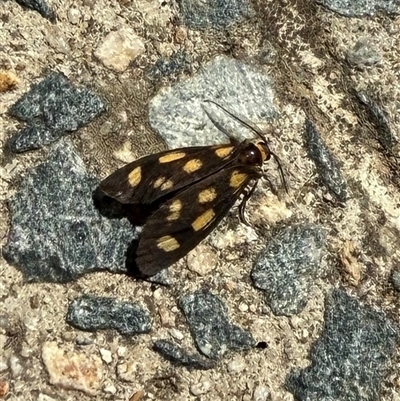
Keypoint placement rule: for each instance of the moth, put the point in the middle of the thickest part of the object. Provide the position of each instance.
(187, 192)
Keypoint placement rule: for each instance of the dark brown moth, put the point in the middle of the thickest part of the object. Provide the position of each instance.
(189, 191)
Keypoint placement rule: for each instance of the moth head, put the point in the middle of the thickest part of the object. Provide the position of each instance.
(255, 153)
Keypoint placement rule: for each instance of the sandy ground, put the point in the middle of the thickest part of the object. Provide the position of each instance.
(311, 75)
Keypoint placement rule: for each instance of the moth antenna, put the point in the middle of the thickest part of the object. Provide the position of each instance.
(244, 123)
(257, 132)
(219, 126)
(282, 175)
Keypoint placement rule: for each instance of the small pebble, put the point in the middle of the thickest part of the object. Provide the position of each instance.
(200, 388)
(106, 355)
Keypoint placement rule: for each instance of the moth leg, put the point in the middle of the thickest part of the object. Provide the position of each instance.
(242, 205)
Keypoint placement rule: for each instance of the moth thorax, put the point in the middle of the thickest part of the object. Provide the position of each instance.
(255, 154)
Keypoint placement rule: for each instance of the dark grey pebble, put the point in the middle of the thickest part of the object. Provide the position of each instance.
(56, 232)
(181, 357)
(380, 119)
(327, 165)
(41, 7)
(213, 13)
(91, 313)
(51, 109)
(349, 360)
(287, 267)
(359, 8)
(213, 333)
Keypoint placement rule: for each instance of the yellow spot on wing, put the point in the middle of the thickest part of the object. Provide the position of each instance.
(207, 195)
(135, 176)
(170, 157)
(163, 183)
(174, 209)
(192, 165)
(167, 185)
(224, 152)
(167, 243)
(158, 182)
(203, 220)
(237, 179)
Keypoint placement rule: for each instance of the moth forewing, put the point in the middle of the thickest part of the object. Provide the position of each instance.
(156, 176)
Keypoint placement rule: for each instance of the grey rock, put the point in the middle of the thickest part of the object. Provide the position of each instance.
(359, 8)
(56, 233)
(52, 108)
(364, 54)
(180, 356)
(210, 327)
(380, 119)
(40, 6)
(91, 313)
(349, 359)
(179, 62)
(287, 267)
(178, 114)
(327, 166)
(213, 13)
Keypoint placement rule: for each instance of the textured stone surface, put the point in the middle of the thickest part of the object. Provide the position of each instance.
(327, 166)
(119, 48)
(164, 67)
(178, 113)
(91, 313)
(287, 267)
(72, 370)
(51, 109)
(350, 358)
(56, 233)
(213, 13)
(213, 333)
(180, 356)
(359, 8)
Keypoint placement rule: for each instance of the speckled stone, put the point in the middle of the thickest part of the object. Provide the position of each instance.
(213, 13)
(51, 109)
(327, 165)
(56, 233)
(91, 313)
(179, 356)
(359, 8)
(349, 359)
(178, 113)
(287, 267)
(213, 333)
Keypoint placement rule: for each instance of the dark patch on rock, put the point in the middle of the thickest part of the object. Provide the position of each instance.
(213, 333)
(52, 108)
(41, 7)
(56, 232)
(91, 313)
(286, 268)
(179, 62)
(216, 14)
(179, 356)
(380, 119)
(327, 165)
(349, 359)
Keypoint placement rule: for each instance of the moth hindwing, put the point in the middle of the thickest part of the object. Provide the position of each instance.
(189, 191)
